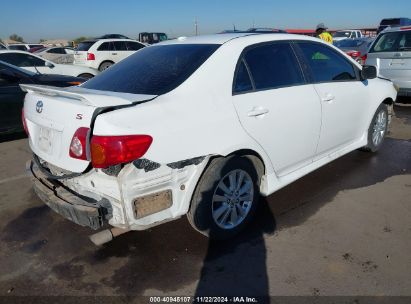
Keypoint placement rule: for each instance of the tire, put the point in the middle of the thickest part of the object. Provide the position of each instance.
(209, 207)
(378, 127)
(86, 76)
(105, 65)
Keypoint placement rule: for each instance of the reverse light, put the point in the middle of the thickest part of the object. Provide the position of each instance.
(107, 151)
(78, 145)
(90, 56)
(23, 120)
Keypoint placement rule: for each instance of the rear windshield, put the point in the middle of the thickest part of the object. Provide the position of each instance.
(342, 34)
(85, 45)
(154, 70)
(391, 22)
(392, 42)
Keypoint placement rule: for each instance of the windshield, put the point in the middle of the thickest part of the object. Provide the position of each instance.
(349, 43)
(154, 70)
(342, 34)
(392, 42)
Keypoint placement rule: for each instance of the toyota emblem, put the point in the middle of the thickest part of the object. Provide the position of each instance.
(39, 106)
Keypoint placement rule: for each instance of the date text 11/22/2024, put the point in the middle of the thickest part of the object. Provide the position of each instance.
(203, 300)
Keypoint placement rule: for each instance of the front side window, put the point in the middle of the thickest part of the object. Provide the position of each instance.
(325, 64)
(134, 46)
(273, 66)
(153, 70)
(22, 60)
(393, 42)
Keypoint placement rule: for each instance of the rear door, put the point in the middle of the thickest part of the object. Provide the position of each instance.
(275, 105)
(121, 51)
(391, 53)
(344, 98)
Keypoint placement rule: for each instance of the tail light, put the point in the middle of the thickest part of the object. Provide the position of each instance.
(90, 56)
(364, 58)
(23, 120)
(113, 150)
(354, 54)
(78, 145)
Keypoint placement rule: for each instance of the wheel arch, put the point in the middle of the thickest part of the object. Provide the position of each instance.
(104, 61)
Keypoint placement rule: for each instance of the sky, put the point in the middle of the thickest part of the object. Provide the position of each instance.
(56, 19)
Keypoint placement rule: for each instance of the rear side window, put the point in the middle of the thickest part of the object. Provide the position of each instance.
(106, 46)
(392, 42)
(22, 60)
(325, 64)
(120, 45)
(273, 66)
(57, 51)
(85, 45)
(242, 81)
(154, 70)
(18, 47)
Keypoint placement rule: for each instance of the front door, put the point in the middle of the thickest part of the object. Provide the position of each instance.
(344, 98)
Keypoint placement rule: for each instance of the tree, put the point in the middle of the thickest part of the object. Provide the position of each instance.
(79, 39)
(16, 37)
(42, 40)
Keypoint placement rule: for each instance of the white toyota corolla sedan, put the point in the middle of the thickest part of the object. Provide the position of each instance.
(199, 127)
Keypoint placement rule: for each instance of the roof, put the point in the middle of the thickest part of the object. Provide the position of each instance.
(226, 37)
(397, 28)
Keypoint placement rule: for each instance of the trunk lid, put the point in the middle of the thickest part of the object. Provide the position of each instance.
(54, 114)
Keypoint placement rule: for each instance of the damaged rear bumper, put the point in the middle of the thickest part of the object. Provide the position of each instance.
(82, 211)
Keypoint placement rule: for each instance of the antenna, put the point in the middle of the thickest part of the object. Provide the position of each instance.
(196, 26)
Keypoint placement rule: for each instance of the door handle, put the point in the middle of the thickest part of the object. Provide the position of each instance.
(328, 98)
(256, 112)
(113, 53)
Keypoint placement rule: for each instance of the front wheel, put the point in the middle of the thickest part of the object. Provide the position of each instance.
(378, 129)
(225, 198)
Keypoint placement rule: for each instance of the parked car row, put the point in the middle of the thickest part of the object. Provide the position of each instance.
(37, 64)
(12, 97)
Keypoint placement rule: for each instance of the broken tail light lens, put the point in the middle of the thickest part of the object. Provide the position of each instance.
(108, 151)
(23, 120)
(78, 145)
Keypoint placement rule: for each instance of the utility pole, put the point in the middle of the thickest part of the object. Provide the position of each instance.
(196, 26)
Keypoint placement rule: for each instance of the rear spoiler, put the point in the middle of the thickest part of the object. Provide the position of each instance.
(95, 98)
(53, 91)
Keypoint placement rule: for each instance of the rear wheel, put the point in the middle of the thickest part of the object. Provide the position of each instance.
(226, 198)
(378, 129)
(105, 65)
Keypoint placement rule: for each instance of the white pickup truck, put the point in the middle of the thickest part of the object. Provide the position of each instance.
(347, 34)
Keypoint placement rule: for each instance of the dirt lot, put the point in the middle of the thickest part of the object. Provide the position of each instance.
(342, 230)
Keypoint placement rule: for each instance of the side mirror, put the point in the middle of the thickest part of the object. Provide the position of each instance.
(368, 72)
(49, 65)
(9, 76)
